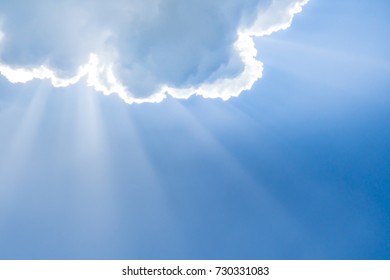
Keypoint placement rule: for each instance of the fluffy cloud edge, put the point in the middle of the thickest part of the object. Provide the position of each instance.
(100, 76)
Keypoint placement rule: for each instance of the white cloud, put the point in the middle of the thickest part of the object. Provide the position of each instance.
(141, 50)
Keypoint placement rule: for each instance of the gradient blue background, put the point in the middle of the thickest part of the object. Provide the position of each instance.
(296, 168)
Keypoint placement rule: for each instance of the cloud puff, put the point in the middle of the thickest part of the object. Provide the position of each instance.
(140, 50)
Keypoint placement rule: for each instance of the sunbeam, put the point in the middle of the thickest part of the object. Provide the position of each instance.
(216, 181)
(13, 162)
(92, 171)
(297, 166)
(335, 65)
(146, 214)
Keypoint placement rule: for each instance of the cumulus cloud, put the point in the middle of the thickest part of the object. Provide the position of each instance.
(140, 50)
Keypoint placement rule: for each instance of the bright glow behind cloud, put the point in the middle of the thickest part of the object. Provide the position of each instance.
(141, 50)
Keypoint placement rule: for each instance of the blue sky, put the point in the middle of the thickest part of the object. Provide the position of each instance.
(297, 167)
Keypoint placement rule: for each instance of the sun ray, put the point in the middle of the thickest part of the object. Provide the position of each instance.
(91, 169)
(323, 64)
(13, 161)
(147, 206)
(250, 186)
